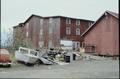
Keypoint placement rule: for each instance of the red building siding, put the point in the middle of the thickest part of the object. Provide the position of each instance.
(58, 26)
(83, 26)
(104, 35)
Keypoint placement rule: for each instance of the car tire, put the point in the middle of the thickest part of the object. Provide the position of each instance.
(29, 64)
(9, 65)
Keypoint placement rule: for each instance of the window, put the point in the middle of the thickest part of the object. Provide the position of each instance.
(50, 29)
(68, 21)
(68, 30)
(41, 21)
(76, 44)
(50, 20)
(27, 29)
(90, 23)
(23, 51)
(33, 53)
(77, 22)
(27, 26)
(41, 31)
(27, 34)
(41, 43)
(77, 31)
(50, 44)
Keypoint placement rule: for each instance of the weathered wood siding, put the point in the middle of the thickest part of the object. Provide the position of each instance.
(105, 36)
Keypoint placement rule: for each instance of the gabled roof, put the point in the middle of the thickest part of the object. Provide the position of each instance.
(27, 20)
(106, 12)
(113, 14)
(32, 16)
(59, 16)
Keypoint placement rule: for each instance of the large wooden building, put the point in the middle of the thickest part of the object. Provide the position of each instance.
(48, 31)
(103, 36)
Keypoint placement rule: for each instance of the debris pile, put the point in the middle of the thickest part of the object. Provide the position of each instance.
(31, 56)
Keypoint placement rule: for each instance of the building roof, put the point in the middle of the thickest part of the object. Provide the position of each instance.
(106, 12)
(33, 15)
(113, 14)
(59, 16)
(20, 25)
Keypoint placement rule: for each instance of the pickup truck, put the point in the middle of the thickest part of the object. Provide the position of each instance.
(5, 58)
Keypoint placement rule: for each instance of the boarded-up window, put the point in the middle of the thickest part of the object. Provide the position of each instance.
(50, 25)
(50, 29)
(50, 44)
(41, 31)
(50, 20)
(41, 43)
(41, 22)
(27, 29)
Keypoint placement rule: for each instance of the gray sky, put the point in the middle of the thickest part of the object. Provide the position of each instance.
(16, 11)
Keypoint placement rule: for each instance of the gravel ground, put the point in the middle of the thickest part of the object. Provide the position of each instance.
(76, 69)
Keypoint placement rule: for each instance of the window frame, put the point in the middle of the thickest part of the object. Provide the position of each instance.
(27, 29)
(77, 31)
(68, 30)
(77, 22)
(68, 21)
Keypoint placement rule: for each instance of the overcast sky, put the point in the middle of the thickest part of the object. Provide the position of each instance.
(17, 11)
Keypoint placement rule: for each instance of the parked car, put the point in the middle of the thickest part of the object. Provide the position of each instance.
(5, 58)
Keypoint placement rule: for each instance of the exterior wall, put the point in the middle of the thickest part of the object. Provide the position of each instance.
(52, 32)
(18, 34)
(48, 31)
(105, 36)
(55, 25)
(115, 27)
(76, 38)
(33, 31)
(84, 25)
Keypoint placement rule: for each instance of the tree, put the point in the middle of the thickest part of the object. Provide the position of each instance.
(16, 39)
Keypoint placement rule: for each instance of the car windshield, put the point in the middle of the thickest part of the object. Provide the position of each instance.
(33, 53)
(24, 51)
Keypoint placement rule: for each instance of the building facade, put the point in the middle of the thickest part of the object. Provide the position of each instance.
(103, 36)
(48, 31)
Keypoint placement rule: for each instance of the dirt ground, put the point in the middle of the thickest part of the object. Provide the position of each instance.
(76, 69)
